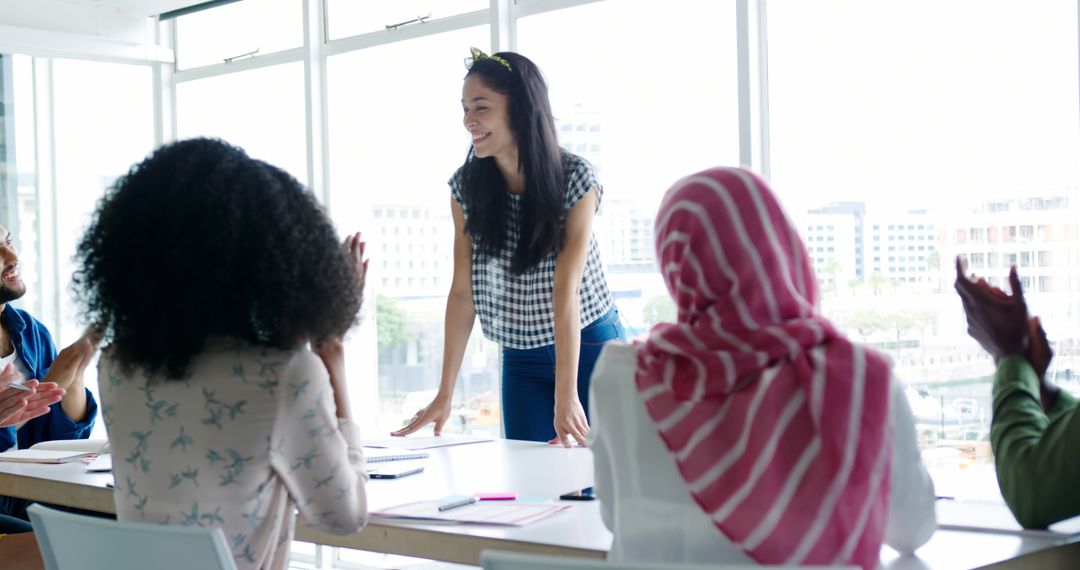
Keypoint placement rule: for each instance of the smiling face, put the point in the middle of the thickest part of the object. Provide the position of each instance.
(11, 284)
(487, 120)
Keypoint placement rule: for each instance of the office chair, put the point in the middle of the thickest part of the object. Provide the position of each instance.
(496, 560)
(69, 542)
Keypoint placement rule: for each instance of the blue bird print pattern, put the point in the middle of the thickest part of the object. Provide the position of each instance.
(247, 436)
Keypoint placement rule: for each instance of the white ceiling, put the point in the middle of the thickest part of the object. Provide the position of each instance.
(119, 30)
(147, 7)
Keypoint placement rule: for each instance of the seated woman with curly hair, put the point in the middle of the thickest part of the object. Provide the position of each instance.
(210, 273)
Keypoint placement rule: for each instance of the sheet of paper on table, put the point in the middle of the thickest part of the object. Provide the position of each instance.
(430, 442)
(504, 513)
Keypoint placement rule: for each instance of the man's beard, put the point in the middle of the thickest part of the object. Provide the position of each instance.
(9, 293)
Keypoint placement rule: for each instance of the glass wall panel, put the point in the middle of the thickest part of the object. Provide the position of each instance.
(905, 134)
(102, 124)
(396, 137)
(646, 102)
(261, 110)
(350, 18)
(251, 28)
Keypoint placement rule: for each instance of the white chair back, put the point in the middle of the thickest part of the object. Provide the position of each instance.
(69, 542)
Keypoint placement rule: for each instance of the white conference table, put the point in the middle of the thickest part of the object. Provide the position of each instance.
(533, 470)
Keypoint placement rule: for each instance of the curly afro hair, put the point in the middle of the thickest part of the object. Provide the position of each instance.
(199, 240)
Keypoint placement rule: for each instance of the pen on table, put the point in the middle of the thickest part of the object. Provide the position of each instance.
(461, 503)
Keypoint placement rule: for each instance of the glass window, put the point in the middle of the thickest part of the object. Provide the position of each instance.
(1044, 259)
(394, 148)
(918, 122)
(658, 110)
(349, 17)
(241, 29)
(18, 172)
(92, 149)
(261, 111)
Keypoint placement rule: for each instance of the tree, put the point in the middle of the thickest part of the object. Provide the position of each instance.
(866, 324)
(877, 281)
(659, 309)
(389, 323)
(831, 268)
(933, 265)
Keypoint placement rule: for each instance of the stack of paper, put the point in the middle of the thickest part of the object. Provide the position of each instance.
(58, 451)
(505, 513)
(42, 456)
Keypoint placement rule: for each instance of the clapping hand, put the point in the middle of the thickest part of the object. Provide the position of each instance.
(68, 367)
(354, 248)
(18, 406)
(998, 321)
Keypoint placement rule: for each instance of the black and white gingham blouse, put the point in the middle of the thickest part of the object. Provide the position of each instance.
(516, 310)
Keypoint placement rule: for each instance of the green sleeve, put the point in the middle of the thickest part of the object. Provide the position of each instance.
(1065, 403)
(1037, 457)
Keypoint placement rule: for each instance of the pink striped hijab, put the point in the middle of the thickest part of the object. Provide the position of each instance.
(778, 424)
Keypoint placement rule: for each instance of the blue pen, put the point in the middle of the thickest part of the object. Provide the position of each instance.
(461, 503)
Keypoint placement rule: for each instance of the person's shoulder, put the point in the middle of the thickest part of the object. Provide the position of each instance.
(575, 164)
(303, 362)
(580, 178)
(24, 320)
(22, 315)
(619, 350)
(457, 176)
(617, 360)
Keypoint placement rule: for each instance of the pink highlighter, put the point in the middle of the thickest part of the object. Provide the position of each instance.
(495, 496)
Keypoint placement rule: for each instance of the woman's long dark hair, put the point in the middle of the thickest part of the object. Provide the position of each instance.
(199, 240)
(540, 160)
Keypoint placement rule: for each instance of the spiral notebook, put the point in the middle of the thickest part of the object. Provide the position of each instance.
(381, 455)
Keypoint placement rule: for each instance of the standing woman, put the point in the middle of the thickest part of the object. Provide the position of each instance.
(525, 259)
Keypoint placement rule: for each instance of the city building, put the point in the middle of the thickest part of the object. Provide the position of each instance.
(1039, 235)
(416, 246)
(850, 246)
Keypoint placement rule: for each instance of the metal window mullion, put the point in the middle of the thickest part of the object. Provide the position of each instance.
(45, 189)
(742, 54)
(315, 101)
(10, 173)
(502, 26)
(763, 165)
(164, 91)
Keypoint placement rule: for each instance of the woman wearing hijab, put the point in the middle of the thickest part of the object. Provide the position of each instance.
(751, 430)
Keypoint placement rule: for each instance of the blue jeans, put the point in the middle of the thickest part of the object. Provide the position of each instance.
(528, 380)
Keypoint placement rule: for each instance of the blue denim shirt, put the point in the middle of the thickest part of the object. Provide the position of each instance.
(37, 351)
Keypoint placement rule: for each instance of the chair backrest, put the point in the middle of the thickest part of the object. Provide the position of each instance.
(495, 560)
(69, 541)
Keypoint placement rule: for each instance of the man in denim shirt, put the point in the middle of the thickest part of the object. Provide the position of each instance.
(27, 344)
